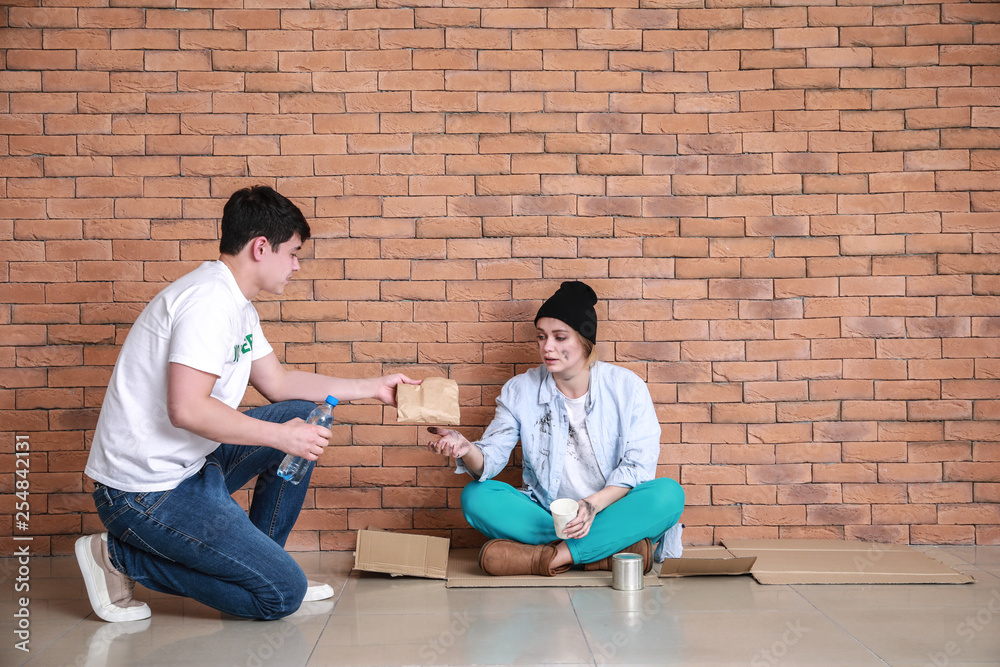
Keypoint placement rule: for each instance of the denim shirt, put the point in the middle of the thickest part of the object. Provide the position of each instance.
(621, 422)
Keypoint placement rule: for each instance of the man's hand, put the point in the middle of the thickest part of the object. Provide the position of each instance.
(386, 390)
(305, 440)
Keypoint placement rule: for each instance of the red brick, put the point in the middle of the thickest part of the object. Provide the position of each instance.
(840, 16)
(759, 413)
(838, 515)
(741, 330)
(722, 433)
(776, 17)
(970, 471)
(775, 515)
(690, 19)
(903, 514)
(958, 492)
(26, 17)
(715, 474)
(979, 513)
(731, 494)
(580, 18)
(875, 494)
(942, 535)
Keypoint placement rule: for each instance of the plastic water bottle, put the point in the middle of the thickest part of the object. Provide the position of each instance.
(293, 468)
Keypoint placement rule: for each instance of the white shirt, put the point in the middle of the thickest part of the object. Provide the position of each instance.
(202, 321)
(581, 473)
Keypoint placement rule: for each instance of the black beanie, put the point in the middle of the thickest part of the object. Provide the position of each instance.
(573, 303)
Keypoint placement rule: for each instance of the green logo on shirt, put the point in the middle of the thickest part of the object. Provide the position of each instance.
(242, 348)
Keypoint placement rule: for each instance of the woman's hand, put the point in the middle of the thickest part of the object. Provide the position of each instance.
(580, 526)
(454, 444)
(589, 507)
(450, 443)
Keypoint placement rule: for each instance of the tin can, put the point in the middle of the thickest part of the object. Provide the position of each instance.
(626, 572)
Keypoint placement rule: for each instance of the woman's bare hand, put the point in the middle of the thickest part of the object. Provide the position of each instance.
(450, 443)
(580, 525)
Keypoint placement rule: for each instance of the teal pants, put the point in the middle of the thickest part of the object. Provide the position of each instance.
(498, 510)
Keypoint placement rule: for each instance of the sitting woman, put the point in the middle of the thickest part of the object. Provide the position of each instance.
(588, 432)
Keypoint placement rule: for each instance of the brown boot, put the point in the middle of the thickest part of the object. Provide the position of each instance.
(503, 558)
(643, 547)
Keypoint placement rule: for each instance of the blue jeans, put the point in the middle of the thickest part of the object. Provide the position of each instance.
(196, 541)
(498, 510)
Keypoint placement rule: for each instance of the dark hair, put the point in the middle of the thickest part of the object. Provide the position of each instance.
(260, 211)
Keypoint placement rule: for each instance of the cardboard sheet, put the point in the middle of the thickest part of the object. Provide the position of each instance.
(464, 572)
(768, 561)
(842, 562)
(701, 561)
(401, 554)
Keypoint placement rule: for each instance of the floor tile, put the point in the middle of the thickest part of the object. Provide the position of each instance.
(665, 636)
(902, 596)
(407, 595)
(456, 638)
(948, 635)
(981, 556)
(45, 629)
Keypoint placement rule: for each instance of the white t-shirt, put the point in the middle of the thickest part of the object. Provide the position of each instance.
(581, 473)
(203, 321)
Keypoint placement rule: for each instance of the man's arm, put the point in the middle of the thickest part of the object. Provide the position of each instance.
(191, 406)
(277, 383)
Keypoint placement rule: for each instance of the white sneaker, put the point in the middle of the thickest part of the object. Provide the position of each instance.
(318, 591)
(670, 545)
(109, 590)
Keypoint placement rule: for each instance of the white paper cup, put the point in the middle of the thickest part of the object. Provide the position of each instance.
(563, 511)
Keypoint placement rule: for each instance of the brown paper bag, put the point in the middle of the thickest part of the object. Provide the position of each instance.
(434, 401)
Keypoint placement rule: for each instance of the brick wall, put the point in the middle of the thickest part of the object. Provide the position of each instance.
(791, 213)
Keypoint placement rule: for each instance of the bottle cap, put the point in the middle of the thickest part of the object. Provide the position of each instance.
(332, 401)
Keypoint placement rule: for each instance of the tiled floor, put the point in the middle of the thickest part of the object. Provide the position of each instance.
(375, 620)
